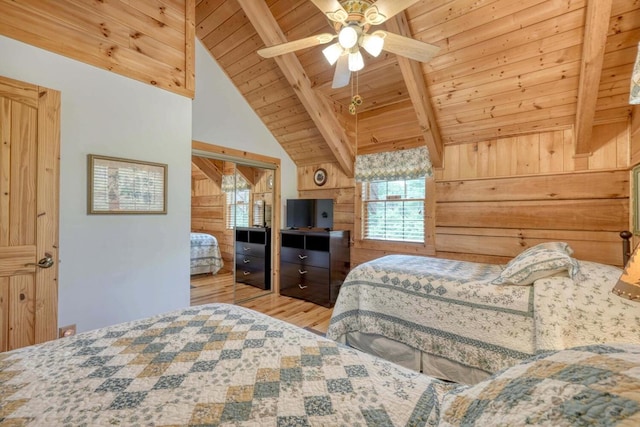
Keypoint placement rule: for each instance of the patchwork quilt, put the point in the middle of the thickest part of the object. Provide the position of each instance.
(209, 365)
(205, 254)
(450, 309)
(596, 385)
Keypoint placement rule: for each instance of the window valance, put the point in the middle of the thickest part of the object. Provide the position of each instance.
(394, 165)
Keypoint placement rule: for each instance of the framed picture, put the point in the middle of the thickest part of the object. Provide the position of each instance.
(320, 177)
(124, 186)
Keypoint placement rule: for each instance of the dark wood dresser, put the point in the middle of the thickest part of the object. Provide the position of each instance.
(253, 256)
(313, 264)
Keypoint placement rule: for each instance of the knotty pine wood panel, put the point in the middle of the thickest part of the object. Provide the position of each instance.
(22, 180)
(498, 244)
(208, 213)
(546, 152)
(598, 214)
(22, 294)
(584, 185)
(150, 40)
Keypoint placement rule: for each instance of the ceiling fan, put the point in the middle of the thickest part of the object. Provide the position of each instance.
(352, 20)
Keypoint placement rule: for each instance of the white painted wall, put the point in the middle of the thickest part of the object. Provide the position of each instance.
(114, 268)
(221, 116)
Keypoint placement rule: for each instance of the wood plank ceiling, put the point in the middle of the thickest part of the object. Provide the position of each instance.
(504, 68)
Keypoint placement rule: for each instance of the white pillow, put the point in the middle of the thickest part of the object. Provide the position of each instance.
(543, 260)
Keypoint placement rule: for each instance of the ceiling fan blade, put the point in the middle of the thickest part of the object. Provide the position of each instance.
(410, 48)
(382, 10)
(342, 75)
(281, 49)
(333, 9)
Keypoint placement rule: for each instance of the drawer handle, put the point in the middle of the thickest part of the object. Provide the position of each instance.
(246, 249)
(302, 287)
(246, 273)
(302, 272)
(246, 261)
(302, 256)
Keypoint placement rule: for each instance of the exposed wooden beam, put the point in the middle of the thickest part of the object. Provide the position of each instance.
(418, 92)
(318, 108)
(248, 173)
(595, 38)
(208, 168)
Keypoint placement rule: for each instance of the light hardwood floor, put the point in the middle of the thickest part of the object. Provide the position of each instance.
(206, 288)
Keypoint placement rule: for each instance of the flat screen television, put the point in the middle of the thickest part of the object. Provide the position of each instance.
(310, 213)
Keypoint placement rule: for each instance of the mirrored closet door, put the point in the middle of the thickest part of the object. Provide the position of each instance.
(233, 202)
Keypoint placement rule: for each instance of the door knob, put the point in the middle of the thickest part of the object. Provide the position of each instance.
(45, 262)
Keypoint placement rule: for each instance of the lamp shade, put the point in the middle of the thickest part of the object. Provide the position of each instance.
(332, 52)
(634, 90)
(348, 37)
(628, 285)
(356, 62)
(373, 44)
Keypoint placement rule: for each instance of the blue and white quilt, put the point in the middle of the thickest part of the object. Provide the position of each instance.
(209, 365)
(205, 254)
(452, 310)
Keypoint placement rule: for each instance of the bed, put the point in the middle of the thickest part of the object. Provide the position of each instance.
(209, 365)
(464, 321)
(221, 364)
(205, 254)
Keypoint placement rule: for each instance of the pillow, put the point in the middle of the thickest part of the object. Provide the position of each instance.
(543, 260)
(583, 386)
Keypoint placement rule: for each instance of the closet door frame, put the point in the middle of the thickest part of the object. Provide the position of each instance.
(203, 149)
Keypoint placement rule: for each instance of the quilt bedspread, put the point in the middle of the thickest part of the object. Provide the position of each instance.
(593, 385)
(209, 365)
(443, 307)
(205, 254)
(450, 309)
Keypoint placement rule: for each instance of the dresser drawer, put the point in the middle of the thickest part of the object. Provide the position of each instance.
(249, 263)
(319, 293)
(251, 271)
(305, 257)
(304, 273)
(254, 249)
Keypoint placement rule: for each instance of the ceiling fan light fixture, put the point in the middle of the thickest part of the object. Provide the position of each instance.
(332, 52)
(348, 36)
(373, 44)
(356, 61)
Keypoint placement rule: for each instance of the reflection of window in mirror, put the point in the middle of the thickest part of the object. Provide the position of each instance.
(258, 213)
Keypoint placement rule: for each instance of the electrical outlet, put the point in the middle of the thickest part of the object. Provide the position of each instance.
(67, 331)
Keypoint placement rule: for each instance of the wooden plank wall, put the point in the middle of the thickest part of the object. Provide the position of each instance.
(148, 40)
(498, 197)
(208, 212)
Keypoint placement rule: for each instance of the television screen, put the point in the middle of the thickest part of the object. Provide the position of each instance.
(324, 213)
(299, 213)
(309, 213)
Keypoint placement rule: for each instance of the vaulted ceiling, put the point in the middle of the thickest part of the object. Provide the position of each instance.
(504, 68)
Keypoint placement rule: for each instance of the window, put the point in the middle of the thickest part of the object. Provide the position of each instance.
(393, 210)
(238, 209)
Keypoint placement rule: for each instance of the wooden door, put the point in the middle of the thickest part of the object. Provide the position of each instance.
(29, 190)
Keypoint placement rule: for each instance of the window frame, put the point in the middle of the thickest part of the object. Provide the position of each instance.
(425, 248)
(232, 206)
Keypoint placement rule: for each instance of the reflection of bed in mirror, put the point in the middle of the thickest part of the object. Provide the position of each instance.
(205, 254)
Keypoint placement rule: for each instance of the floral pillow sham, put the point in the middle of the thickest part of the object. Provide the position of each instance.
(537, 262)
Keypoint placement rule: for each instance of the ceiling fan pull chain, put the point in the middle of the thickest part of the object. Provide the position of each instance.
(356, 100)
